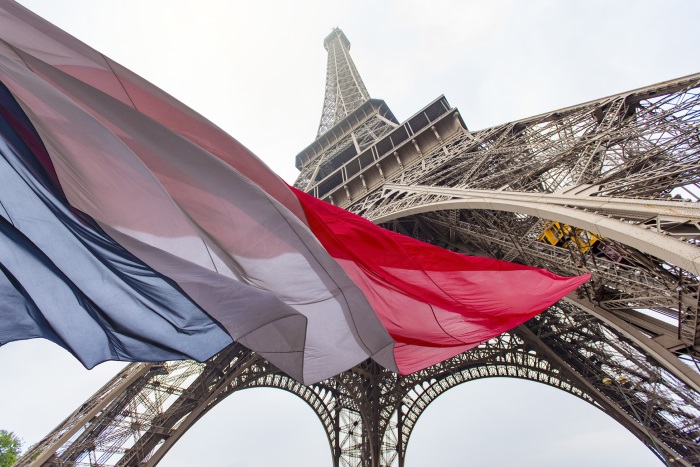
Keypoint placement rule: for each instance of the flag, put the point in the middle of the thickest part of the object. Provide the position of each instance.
(131, 228)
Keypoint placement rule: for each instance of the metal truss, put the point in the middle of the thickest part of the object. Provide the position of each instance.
(620, 178)
(494, 192)
(368, 413)
(345, 90)
(358, 134)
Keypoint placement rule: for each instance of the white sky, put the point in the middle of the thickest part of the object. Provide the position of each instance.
(257, 69)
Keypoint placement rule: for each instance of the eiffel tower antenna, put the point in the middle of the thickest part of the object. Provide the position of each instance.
(609, 186)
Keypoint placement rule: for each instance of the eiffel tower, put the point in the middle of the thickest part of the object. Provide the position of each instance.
(608, 187)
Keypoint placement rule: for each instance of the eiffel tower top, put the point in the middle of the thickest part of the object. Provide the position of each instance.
(345, 90)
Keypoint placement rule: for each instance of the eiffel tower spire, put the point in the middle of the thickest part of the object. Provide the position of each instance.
(350, 123)
(345, 90)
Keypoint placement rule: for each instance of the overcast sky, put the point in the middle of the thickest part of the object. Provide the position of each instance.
(257, 69)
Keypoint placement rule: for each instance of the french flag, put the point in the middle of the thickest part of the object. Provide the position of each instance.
(132, 228)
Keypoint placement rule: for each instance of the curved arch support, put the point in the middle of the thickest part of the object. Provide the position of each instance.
(568, 209)
(368, 412)
(628, 391)
(320, 401)
(505, 356)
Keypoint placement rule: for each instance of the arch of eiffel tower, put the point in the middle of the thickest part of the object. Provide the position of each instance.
(610, 187)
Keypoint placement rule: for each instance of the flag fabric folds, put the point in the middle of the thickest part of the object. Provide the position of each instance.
(131, 228)
(434, 303)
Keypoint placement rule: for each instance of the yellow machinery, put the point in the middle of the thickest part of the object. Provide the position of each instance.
(558, 234)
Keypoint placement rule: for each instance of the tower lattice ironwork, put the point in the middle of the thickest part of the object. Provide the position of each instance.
(609, 186)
